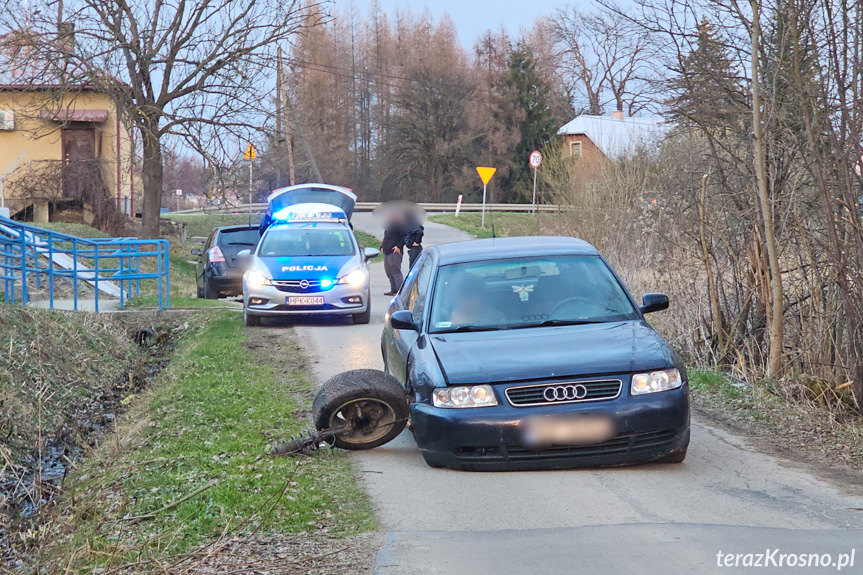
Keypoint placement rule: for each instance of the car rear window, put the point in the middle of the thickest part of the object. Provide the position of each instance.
(242, 239)
(525, 292)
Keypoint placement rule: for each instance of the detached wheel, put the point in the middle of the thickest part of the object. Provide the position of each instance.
(250, 320)
(364, 408)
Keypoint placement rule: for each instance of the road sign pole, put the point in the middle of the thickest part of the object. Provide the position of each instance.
(482, 222)
(251, 167)
(534, 190)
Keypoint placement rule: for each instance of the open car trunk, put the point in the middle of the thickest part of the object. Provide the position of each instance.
(337, 196)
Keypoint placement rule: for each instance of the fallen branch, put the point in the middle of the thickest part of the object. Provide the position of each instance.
(171, 505)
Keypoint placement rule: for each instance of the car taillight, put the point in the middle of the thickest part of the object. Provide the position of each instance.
(216, 255)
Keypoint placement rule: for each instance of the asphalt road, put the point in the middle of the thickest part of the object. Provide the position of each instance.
(727, 497)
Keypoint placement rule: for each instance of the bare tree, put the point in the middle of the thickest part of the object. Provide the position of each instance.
(607, 57)
(191, 70)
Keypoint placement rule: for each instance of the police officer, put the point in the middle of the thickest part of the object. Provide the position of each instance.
(414, 242)
(392, 247)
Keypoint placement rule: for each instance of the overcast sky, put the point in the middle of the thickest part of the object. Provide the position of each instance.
(473, 17)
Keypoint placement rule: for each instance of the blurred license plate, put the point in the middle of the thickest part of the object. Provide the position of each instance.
(318, 300)
(543, 432)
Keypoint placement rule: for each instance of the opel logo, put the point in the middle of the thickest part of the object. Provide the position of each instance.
(565, 392)
(304, 284)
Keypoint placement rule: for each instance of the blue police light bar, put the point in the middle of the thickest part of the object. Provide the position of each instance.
(310, 213)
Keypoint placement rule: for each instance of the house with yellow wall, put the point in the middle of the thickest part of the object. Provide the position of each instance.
(64, 153)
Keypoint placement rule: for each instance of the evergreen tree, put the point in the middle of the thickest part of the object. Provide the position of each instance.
(539, 124)
(709, 94)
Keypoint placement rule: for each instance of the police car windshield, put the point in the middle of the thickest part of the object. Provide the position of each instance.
(306, 242)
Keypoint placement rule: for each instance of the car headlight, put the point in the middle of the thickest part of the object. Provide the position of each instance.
(464, 396)
(355, 279)
(655, 381)
(256, 279)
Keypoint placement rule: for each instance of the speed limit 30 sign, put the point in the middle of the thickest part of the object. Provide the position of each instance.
(535, 159)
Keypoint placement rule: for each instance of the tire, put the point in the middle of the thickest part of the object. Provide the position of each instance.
(366, 408)
(250, 320)
(210, 294)
(676, 457)
(200, 292)
(366, 316)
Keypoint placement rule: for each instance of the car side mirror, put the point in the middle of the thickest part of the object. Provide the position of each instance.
(371, 253)
(652, 302)
(196, 252)
(403, 319)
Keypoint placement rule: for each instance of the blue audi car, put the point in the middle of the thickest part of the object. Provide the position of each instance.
(526, 353)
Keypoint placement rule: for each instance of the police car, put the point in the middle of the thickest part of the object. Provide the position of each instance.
(308, 261)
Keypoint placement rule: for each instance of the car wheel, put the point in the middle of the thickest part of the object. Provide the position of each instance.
(200, 292)
(210, 294)
(363, 408)
(676, 457)
(250, 320)
(365, 317)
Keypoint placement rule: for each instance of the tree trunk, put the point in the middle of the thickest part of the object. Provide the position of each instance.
(151, 176)
(777, 343)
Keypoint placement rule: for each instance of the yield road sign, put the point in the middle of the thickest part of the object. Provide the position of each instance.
(535, 159)
(485, 174)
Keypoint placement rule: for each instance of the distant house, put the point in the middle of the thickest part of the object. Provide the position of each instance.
(598, 138)
(63, 149)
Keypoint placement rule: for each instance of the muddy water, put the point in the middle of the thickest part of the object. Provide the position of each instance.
(29, 488)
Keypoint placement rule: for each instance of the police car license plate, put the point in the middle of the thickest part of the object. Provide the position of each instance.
(308, 300)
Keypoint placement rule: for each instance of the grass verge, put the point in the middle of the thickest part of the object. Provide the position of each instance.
(189, 467)
(506, 224)
(792, 418)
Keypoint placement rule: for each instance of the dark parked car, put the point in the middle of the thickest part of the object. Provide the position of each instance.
(525, 353)
(219, 272)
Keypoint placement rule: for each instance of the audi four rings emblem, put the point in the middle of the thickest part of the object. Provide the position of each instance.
(304, 284)
(565, 392)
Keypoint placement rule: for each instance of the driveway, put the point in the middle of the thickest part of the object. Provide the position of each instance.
(727, 497)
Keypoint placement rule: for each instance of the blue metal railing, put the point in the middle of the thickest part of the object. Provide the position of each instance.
(31, 256)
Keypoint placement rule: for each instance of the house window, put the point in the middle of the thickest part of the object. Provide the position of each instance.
(575, 149)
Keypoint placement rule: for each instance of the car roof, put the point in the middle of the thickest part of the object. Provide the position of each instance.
(237, 228)
(500, 248)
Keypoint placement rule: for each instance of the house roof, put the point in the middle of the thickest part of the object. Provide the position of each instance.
(617, 137)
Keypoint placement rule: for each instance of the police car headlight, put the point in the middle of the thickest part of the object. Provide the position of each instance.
(464, 396)
(356, 278)
(256, 279)
(655, 381)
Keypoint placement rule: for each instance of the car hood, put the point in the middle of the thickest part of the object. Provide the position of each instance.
(551, 352)
(290, 268)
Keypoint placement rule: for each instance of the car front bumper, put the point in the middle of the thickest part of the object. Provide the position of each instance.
(340, 299)
(649, 427)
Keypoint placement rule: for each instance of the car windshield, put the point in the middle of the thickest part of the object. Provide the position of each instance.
(306, 242)
(527, 292)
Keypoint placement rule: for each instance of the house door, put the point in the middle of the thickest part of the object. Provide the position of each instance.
(79, 145)
(80, 168)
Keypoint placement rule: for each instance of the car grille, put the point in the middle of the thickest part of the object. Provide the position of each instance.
(564, 392)
(298, 286)
(625, 443)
